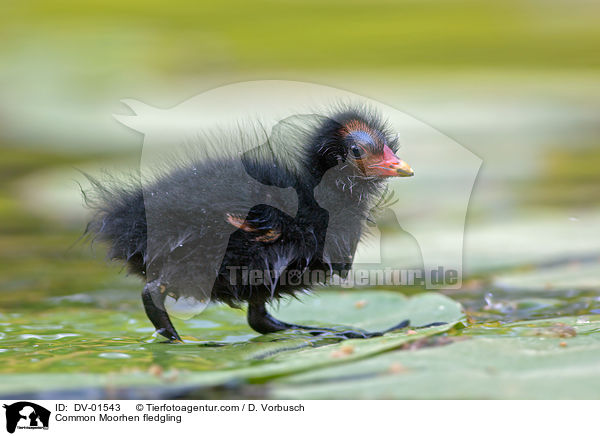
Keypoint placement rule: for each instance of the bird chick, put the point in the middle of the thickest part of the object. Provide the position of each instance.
(293, 208)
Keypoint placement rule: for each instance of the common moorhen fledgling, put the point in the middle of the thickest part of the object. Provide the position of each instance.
(294, 208)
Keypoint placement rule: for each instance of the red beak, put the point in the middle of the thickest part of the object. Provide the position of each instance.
(390, 166)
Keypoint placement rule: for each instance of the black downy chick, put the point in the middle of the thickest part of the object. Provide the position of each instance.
(194, 230)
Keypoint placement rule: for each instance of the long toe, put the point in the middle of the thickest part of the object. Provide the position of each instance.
(398, 326)
(433, 324)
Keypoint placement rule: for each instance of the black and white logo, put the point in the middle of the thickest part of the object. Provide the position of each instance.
(26, 415)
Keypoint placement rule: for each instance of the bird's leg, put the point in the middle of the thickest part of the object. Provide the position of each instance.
(157, 314)
(263, 322)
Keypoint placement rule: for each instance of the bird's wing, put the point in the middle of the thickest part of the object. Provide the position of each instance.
(264, 223)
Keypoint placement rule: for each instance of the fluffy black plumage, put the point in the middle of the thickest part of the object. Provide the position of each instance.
(297, 204)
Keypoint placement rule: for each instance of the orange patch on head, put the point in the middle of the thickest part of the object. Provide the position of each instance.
(358, 126)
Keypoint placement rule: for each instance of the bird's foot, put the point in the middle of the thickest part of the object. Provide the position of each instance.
(432, 324)
(402, 325)
(336, 333)
(158, 315)
(171, 335)
(347, 334)
(356, 333)
(261, 321)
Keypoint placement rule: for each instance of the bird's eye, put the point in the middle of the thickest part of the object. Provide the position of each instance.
(357, 152)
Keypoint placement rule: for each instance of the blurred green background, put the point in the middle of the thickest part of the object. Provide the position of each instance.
(516, 82)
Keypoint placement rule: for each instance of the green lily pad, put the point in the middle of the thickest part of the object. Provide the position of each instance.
(370, 310)
(557, 358)
(90, 348)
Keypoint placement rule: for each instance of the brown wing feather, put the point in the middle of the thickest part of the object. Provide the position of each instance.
(270, 235)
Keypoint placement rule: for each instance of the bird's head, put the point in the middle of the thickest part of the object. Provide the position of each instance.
(371, 151)
(364, 143)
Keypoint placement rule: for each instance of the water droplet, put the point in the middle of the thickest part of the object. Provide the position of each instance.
(114, 355)
(489, 299)
(184, 307)
(240, 338)
(49, 337)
